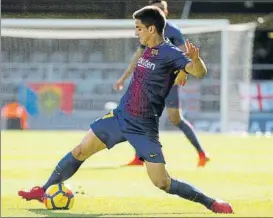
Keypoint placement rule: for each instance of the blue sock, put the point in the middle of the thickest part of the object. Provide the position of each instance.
(64, 170)
(190, 193)
(186, 127)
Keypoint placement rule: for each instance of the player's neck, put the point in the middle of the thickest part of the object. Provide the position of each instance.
(157, 40)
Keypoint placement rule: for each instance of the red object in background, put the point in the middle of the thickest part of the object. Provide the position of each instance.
(65, 91)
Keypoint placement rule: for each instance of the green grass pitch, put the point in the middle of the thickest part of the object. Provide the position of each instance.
(240, 171)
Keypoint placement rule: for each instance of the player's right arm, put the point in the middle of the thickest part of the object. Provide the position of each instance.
(197, 66)
(189, 62)
(130, 69)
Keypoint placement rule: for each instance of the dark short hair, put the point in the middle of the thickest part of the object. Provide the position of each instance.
(151, 16)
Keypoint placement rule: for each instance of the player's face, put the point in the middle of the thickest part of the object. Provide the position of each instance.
(143, 33)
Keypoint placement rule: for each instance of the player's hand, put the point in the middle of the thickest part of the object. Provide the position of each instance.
(119, 84)
(191, 51)
(181, 78)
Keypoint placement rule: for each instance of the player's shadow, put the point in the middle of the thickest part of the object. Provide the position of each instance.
(52, 213)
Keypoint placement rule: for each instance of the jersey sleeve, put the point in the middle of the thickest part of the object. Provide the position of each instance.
(177, 59)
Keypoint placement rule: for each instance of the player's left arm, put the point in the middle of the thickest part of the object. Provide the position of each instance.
(130, 69)
(196, 67)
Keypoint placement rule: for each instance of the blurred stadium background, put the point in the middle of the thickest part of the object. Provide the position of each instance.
(88, 64)
(59, 60)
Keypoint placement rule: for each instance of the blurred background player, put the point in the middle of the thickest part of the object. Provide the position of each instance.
(172, 101)
(15, 116)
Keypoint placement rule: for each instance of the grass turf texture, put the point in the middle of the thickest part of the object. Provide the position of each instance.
(240, 172)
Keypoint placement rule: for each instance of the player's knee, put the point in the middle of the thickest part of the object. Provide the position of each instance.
(78, 153)
(163, 184)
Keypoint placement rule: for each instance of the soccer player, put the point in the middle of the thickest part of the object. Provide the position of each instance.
(172, 101)
(136, 118)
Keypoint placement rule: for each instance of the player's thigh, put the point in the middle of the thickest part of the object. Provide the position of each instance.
(108, 130)
(147, 148)
(172, 99)
(158, 175)
(90, 145)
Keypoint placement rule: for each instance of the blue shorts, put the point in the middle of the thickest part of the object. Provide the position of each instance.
(172, 99)
(118, 126)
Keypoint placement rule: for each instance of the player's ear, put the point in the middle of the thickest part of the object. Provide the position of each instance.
(151, 29)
